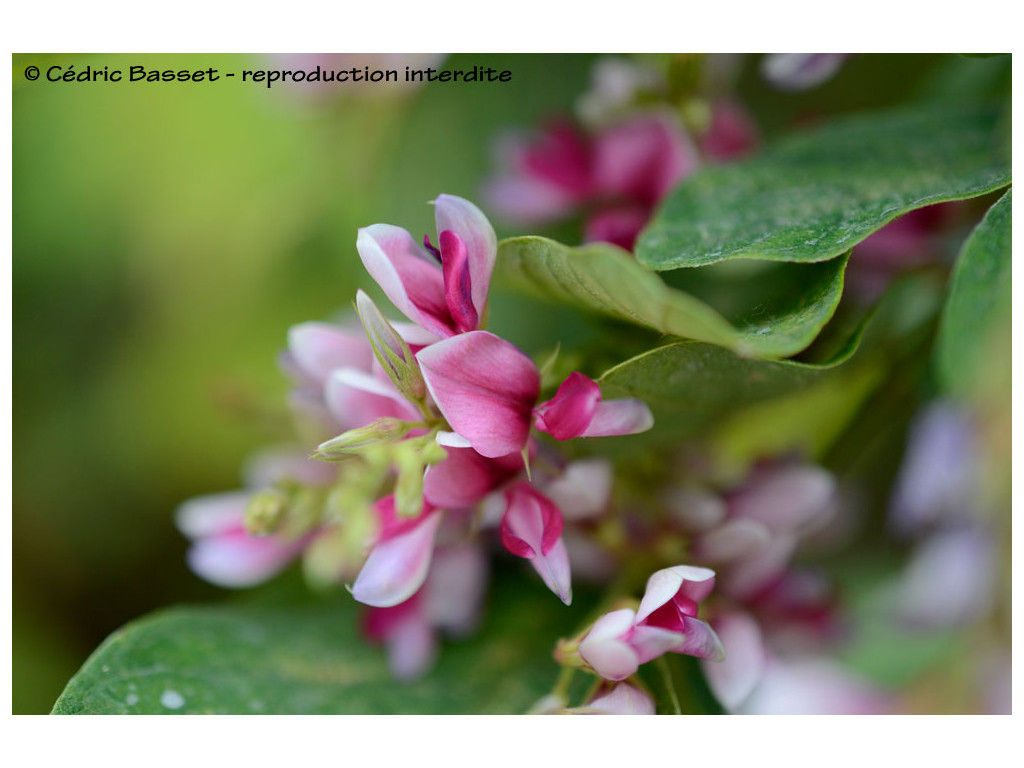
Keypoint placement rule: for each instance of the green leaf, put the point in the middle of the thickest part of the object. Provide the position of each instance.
(603, 278)
(979, 297)
(690, 385)
(814, 196)
(298, 655)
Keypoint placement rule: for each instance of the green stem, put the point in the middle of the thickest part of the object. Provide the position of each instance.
(666, 675)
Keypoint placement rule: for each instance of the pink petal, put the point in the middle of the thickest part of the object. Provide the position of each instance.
(643, 158)
(412, 650)
(465, 477)
(571, 410)
(531, 524)
(485, 387)
(623, 699)
(619, 417)
(583, 489)
(605, 649)
(553, 567)
(651, 642)
(453, 596)
(733, 679)
(457, 282)
(732, 134)
(814, 686)
(212, 514)
(561, 155)
(268, 467)
(356, 399)
(398, 566)
(785, 498)
(694, 509)
(701, 641)
(409, 276)
(407, 635)
(237, 560)
(682, 582)
(731, 541)
(453, 214)
(749, 576)
(528, 201)
(620, 225)
(317, 349)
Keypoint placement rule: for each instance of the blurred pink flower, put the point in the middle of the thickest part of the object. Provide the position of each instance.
(615, 176)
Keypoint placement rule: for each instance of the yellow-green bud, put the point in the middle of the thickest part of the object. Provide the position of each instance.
(265, 512)
(355, 441)
(391, 351)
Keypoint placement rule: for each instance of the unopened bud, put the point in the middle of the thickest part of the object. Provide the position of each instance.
(355, 441)
(265, 512)
(391, 350)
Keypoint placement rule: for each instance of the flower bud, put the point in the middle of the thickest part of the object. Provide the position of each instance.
(265, 512)
(354, 441)
(391, 350)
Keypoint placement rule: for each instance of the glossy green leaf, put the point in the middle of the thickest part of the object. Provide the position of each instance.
(979, 296)
(305, 656)
(814, 196)
(603, 278)
(691, 384)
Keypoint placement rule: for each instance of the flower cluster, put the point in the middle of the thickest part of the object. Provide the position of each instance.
(435, 426)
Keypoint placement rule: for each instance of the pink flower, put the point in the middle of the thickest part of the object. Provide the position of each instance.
(487, 389)
(615, 175)
(622, 640)
(732, 133)
(531, 527)
(223, 552)
(400, 558)
(443, 289)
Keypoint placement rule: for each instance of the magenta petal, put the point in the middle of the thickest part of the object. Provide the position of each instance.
(643, 158)
(570, 411)
(619, 417)
(458, 282)
(465, 477)
(407, 274)
(531, 524)
(453, 214)
(485, 387)
(685, 584)
(397, 567)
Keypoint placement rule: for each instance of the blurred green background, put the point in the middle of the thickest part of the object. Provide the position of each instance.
(166, 235)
